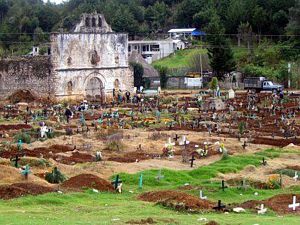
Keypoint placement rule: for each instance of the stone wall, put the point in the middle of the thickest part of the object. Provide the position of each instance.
(78, 58)
(26, 73)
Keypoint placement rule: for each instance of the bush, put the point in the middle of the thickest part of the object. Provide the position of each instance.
(55, 177)
(115, 146)
(23, 136)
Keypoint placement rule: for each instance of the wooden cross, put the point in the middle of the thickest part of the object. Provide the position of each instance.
(192, 160)
(220, 206)
(16, 160)
(116, 182)
(140, 147)
(176, 137)
(223, 185)
(264, 162)
(245, 145)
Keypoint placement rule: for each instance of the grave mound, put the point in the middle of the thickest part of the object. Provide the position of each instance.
(142, 221)
(22, 96)
(131, 157)
(87, 181)
(21, 189)
(278, 203)
(177, 200)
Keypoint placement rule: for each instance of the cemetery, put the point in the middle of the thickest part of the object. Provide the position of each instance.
(200, 155)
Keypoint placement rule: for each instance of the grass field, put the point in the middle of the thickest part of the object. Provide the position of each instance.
(110, 208)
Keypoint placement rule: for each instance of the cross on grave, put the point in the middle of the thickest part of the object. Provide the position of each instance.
(141, 181)
(243, 185)
(223, 187)
(220, 206)
(264, 162)
(159, 176)
(280, 179)
(262, 209)
(116, 182)
(201, 195)
(192, 160)
(245, 145)
(176, 137)
(294, 205)
(140, 147)
(16, 160)
(296, 176)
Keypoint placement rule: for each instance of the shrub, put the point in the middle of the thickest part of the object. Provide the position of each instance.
(23, 136)
(55, 177)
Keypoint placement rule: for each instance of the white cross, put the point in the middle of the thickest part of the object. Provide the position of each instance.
(296, 176)
(294, 205)
(262, 210)
(201, 195)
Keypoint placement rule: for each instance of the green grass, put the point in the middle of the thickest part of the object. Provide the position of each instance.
(110, 208)
(105, 208)
(180, 59)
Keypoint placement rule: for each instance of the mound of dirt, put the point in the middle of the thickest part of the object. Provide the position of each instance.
(142, 221)
(10, 175)
(21, 189)
(22, 96)
(177, 200)
(87, 181)
(5, 127)
(131, 157)
(278, 203)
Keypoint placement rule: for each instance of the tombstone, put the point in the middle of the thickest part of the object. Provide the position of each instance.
(183, 141)
(231, 94)
(294, 205)
(220, 206)
(43, 130)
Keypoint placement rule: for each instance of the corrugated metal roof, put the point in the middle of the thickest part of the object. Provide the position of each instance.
(183, 30)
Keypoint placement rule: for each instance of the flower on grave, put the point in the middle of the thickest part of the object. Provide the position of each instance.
(274, 182)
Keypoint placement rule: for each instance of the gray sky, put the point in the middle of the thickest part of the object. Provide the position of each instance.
(56, 1)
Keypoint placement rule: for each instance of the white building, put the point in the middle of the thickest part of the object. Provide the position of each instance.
(181, 33)
(155, 49)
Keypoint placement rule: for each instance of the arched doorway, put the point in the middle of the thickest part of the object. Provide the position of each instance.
(94, 90)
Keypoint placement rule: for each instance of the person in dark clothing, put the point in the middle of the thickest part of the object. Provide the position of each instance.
(127, 94)
(68, 114)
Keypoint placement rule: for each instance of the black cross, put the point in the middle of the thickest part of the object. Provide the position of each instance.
(16, 160)
(245, 145)
(140, 147)
(223, 185)
(264, 162)
(116, 182)
(176, 137)
(220, 206)
(192, 160)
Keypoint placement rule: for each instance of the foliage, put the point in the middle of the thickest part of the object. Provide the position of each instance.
(214, 83)
(241, 127)
(23, 136)
(163, 75)
(273, 182)
(115, 145)
(138, 72)
(55, 177)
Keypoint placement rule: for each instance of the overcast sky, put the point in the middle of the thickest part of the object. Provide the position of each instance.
(56, 1)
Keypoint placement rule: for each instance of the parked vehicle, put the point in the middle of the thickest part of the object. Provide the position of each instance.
(261, 84)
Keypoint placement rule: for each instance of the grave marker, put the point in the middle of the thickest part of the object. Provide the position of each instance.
(201, 195)
(16, 160)
(296, 176)
(223, 186)
(159, 176)
(141, 181)
(264, 162)
(262, 210)
(220, 206)
(192, 160)
(294, 205)
(116, 182)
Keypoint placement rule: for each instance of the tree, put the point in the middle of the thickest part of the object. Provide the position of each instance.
(163, 71)
(219, 52)
(138, 72)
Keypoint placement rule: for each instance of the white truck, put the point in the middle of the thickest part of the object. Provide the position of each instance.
(261, 84)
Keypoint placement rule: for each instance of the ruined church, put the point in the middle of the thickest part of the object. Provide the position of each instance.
(88, 62)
